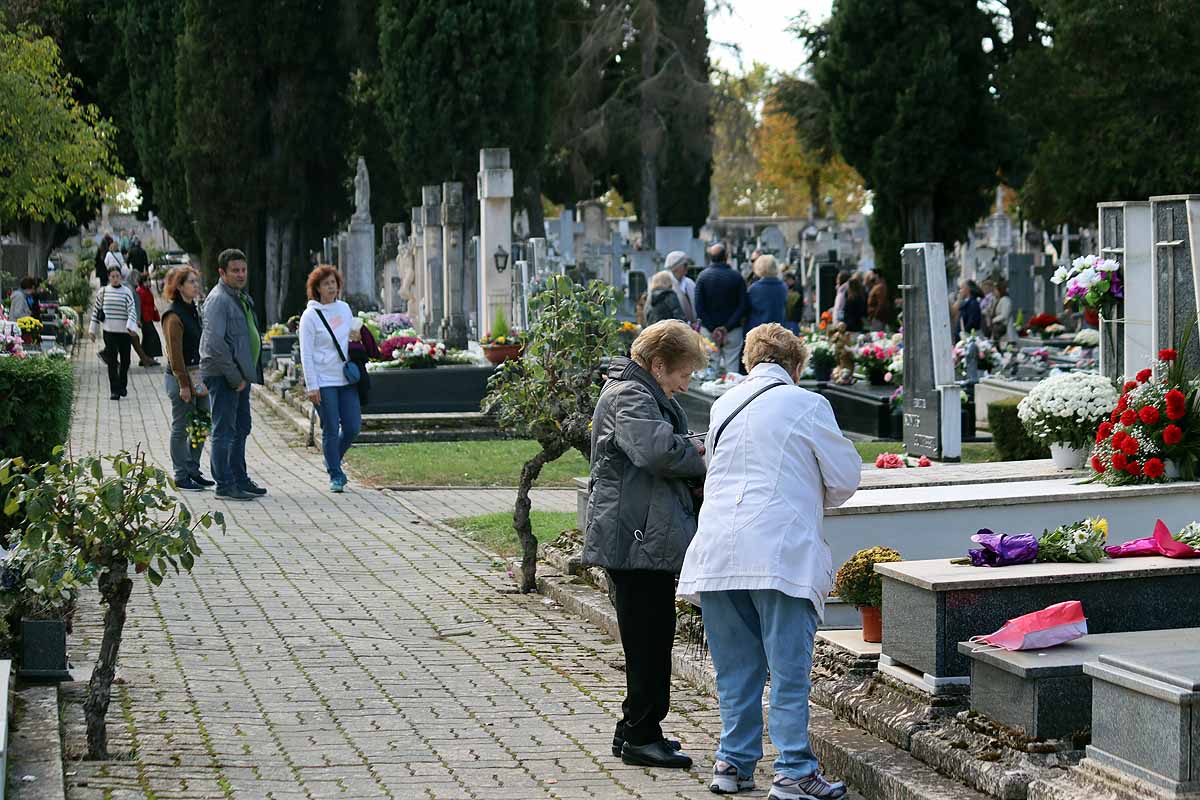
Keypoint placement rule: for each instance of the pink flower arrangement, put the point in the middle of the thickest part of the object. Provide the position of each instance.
(889, 461)
(390, 345)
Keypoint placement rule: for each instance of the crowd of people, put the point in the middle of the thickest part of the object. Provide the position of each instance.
(737, 514)
(725, 305)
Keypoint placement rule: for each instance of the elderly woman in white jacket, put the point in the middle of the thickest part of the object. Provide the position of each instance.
(759, 566)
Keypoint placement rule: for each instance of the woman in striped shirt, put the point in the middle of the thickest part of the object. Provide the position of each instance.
(118, 314)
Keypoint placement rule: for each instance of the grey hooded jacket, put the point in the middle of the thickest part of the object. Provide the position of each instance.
(640, 512)
(225, 344)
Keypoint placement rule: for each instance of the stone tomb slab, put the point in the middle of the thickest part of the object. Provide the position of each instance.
(1145, 719)
(930, 606)
(1045, 693)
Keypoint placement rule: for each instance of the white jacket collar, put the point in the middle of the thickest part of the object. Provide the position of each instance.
(771, 371)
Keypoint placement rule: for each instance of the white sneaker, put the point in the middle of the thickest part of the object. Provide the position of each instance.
(725, 780)
(813, 787)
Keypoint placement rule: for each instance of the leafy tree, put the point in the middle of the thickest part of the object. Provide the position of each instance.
(549, 395)
(55, 154)
(736, 101)
(912, 114)
(111, 512)
(457, 77)
(1121, 127)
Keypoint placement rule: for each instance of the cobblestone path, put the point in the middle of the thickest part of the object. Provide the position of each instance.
(345, 646)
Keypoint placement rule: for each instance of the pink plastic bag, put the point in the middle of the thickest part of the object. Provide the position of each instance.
(1160, 544)
(1053, 625)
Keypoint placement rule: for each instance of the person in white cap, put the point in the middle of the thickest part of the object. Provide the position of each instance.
(677, 264)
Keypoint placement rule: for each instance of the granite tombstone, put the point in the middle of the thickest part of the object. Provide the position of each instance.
(431, 197)
(1176, 242)
(1126, 336)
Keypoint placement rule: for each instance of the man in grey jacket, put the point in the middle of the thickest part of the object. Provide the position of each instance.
(230, 348)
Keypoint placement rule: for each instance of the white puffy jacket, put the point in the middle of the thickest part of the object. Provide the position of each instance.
(322, 364)
(780, 462)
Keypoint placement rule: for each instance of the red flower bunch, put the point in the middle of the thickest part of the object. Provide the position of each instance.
(1176, 405)
(1144, 376)
(1167, 355)
(1039, 321)
(1172, 435)
(1153, 468)
(1149, 415)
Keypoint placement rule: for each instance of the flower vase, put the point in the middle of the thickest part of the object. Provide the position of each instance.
(1171, 470)
(1067, 457)
(872, 623)
(497, 354)
(822, 373)
(875, 376)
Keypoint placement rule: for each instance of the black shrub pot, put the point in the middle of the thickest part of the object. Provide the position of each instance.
(44, 650)
(283, 344)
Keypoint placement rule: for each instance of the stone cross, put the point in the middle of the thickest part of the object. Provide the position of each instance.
(1127, 339)
(1176, 243)
(932, 399)
(495, 235)
(453, 330)
(431, 197)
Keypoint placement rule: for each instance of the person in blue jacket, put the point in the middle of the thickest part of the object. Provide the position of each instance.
(768, 295)
(722, 304)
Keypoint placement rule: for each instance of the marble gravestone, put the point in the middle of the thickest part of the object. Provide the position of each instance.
(418, 303)
(495, 236)
(1126, 341)
(932, 399)
(1176, 242)
(1046, 294)
(359, 270)
(393, 236)
(431, 198)
(453, 331)
(1018, 271)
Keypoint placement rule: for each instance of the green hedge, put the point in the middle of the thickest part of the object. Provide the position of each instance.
(35, 406)
(1008, 434)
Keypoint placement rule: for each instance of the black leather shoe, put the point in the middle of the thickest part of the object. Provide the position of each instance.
(203, 481)
(657, 754)
(250, 487)
(618, 742)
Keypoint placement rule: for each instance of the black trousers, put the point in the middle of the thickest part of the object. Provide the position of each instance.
(645, 603)
(117, 345)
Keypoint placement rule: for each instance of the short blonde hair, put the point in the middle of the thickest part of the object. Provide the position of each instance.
(774, 344)
(672, 341)
(766, 267)
(662, 280)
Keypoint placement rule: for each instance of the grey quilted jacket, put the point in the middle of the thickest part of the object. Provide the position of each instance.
(640, 512)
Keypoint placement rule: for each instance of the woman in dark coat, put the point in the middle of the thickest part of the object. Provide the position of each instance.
(640, 520)
(855, 313)
(664, 302)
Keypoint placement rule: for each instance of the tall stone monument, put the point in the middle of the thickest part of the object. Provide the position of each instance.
(932, 398)
(495, 235)
(1127, 340)
(453, 330)
(1176, 243)
(393, 238)
(418, 306)
(1018, 271)
(431, 197)
(359, 270)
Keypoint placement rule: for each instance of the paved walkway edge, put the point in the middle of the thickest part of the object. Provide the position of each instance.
(876, 768)
(35, 746)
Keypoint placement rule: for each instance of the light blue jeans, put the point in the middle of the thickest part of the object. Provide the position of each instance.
(341, 419)
(751, 632)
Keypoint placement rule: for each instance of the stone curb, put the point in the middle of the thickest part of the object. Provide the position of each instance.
(35, 746)
(284, 412)
(874, 767)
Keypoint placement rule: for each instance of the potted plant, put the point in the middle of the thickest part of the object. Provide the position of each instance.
(31, 329)
(502, 343)
(42, 585)
(821, 358)
(1064, 411)
(857, 583)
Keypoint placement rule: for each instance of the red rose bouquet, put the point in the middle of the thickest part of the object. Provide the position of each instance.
(1153, 434)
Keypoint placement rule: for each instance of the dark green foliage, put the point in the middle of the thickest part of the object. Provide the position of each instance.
(1117, 127)
(458, 77)
(35, 406)
(151, 30)
(1008, 434)
(908, 86)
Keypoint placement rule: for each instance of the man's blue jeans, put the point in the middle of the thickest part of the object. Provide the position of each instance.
(230, 429)
(341, 419)
(750, 632)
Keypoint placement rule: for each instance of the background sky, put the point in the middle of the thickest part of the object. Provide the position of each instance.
(759, 27)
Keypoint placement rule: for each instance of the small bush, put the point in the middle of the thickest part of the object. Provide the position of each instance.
(1008, 434)
(35, 406)
(858, 583)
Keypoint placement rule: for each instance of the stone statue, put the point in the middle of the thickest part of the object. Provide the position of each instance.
(362, 193)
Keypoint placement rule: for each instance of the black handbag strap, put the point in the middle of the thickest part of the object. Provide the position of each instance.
(336, 346)
(738, 410)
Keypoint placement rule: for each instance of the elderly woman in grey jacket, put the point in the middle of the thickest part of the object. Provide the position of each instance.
(640, 520)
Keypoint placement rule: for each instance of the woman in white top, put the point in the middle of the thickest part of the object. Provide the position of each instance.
(325, 332)
(118, 315)
(115, 259)
(759, 565)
